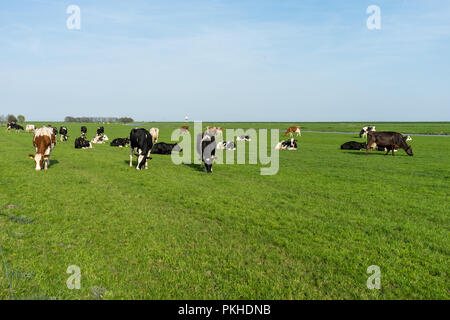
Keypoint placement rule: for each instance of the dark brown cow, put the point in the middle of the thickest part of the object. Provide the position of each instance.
(388, 139)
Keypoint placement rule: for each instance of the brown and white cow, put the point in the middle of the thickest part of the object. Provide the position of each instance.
(184, 129)
(292, 130)
(215, 131)
(154, 132)
(44, 141)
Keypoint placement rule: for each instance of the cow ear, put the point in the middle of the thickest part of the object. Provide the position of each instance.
(31, 156)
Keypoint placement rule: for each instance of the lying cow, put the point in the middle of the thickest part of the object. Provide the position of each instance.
(292, 130)
(63, 133)
(206, 147)
(243, 138)
(82, 143)
(287, 145)
(154, 133)
(141, 143)
(353, 145)
(215, 131)
(365, 130)
(393, 140)
(120, 142)
(165, 148)
(44, 140)
(227, 145)
(100, 139)
(184, 129)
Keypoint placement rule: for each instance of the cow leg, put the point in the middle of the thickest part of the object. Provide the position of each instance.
(393, 150)
(131, 157)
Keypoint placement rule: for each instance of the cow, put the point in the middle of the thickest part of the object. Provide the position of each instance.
(206, 146)
(394, 140)
(227, 145)
(13, 125)
(100, 131)
(83, 132)
(63, 133)
(30, 127)
(165, 148)
(287, 145)
(82, 143)
(353, 145)
(100, 139)
(155, 133)
(215, 131)
(141, 143)
(365, 130)
(389, 148)
(44, 140)
(244, 138)
(120, 142)
(292, 130)
(184, 129)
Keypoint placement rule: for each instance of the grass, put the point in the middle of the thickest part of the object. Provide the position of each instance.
(174, 232)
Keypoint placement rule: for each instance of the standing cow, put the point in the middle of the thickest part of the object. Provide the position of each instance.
(44, 141)
(63, 133)
(388, 139)
(141, 143)
(206, 146)
(155, 133)
(292, 130)
(365, 130)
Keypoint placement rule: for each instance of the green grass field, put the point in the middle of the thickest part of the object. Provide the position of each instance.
(175, 232)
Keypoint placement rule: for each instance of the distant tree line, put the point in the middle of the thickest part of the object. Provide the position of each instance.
(99, 119)
(11, 118)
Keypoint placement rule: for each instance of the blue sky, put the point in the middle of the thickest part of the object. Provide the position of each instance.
(226, 60)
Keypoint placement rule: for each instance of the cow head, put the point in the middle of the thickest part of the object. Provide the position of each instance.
(409, 151)
(177, 148)
(39, 160)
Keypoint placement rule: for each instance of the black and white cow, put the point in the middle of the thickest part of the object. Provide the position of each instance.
(100, 130)
(353, 145)
(206, 147)
(165, 148)
(63, 133)
(120, 142)
(82, 143)
(141, 143)
(365, 130)
(83, 132)
(13, 125)
(244, 138)
(287, 145)
(227, 145)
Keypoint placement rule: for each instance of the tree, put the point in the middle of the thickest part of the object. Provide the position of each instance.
(21, 118)
(12, 118)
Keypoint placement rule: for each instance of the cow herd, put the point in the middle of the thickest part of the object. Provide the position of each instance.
(387, 141)
(143, 143)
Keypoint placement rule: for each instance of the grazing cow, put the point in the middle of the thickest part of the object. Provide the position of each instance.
(13, 125)
(227, 145)
(83, 132)
(155, 133)
(365, 130)
(44, 140)
(30, 127)
(287, 145)
(120, 142)
(165, 148)
(353, 145)
(82, 143)
(184, 129)
(63, 133)
(244, 138)
(292, 130)
(389, 148)
(394, 140)
(206, 146)
(141, 143)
